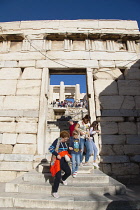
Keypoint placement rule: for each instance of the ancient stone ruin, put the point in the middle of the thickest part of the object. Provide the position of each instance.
(107, 52)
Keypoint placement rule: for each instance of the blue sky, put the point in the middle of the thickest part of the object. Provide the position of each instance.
(17, 10)
(70, 80)
(14, 10)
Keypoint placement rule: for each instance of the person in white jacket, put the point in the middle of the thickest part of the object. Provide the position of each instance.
(93, 130)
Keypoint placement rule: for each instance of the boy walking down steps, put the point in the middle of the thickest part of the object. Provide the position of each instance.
(74, 146)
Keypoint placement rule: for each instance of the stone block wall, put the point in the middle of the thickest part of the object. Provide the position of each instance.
(118, 111)
(19, 108)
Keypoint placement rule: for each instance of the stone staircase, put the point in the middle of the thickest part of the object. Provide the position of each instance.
(89, 190)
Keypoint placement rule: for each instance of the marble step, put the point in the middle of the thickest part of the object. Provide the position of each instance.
(81, 178)
(69, 190)
(42, 201)
(45, 167)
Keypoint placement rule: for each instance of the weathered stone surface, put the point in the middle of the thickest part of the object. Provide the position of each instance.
(118, 149)
(18, 157)
(1, 157)
(121, 63)
(111, 102)
(0, 138)
(28, 87)
(7, 127)
(26, 139)
(24, 149)
(106, 73)
(27, 119)
(21, 102)
(8, 87)
(133, 139)
(9, 138)
(117, 102)
(7, 119)
(125, 169)
(70, 64)
(10, 73)
(135, 158)
(31, 73)
(112, 139)
(38, 158)
(28, 56)
(107, 169)
(112, 150)
(115, 24)
(131, 87)
(9, 64)
(109, 128)
(20, 173)
(26, 127)
(106, 150)
(128, 103)
(30, 113)
(131, 119)
(121, 112)
(105, 87)
(110, 119)
(5, 149)
(11, 113)
(114, 159)
(2, 64)
(106, 64)
(26, 63)
(6, 176)
(1, 101)
(15, 166)
(127, 128)
(132, 73)
(130, 150)
(137, 101)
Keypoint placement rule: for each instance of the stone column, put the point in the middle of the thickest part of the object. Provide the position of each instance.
(50, 94)
(90, 93)
(62, 91)
(77, 92)
(41, 135)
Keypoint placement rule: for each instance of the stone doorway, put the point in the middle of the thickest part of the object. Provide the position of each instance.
(50, 130)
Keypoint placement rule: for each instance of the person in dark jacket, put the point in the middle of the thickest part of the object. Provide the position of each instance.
(59, 161)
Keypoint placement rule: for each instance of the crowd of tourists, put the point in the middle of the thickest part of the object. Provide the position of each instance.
(67, 103)
(81, 139)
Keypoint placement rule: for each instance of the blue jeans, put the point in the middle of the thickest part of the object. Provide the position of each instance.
(93, 149)
(85, 143)
(75, 162)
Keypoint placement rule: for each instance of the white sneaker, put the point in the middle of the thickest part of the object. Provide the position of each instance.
(64, 182)
(55, 195)
(96, 165)
(74, 174)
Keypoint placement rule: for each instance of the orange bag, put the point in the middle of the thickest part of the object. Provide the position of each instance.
(55, 163)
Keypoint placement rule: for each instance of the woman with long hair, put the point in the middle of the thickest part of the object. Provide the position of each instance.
(83, 128)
